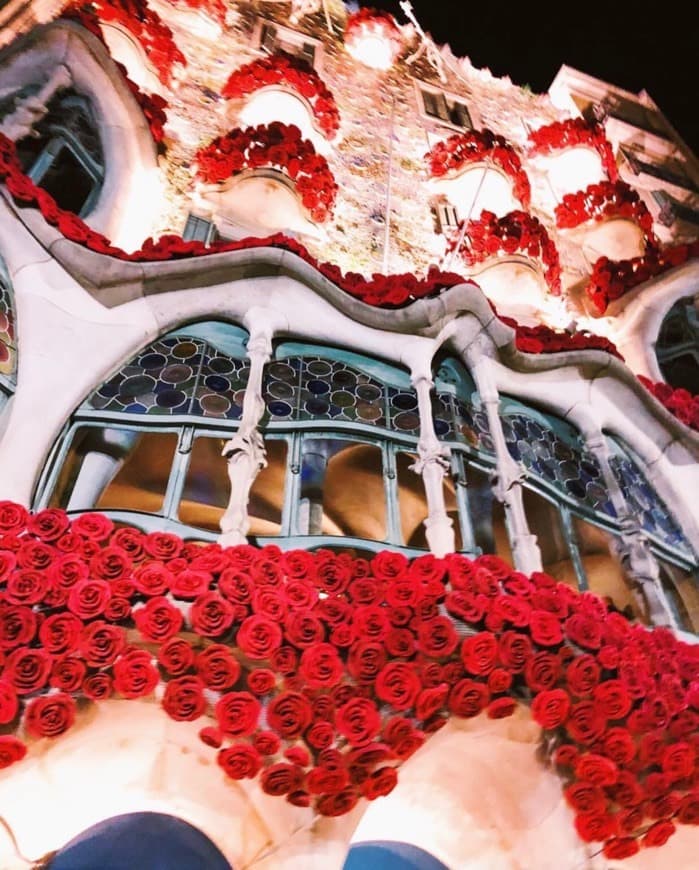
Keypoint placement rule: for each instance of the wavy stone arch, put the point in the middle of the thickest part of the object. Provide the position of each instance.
(130, 181)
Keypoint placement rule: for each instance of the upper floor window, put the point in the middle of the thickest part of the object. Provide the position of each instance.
(677, 347)
(672, 210)
(674, 173)
(445, 108)
(274, 38)
(446, 217)
(64, 153)
(8, 339)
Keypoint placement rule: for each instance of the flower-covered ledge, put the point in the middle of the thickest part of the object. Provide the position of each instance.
(317, 675)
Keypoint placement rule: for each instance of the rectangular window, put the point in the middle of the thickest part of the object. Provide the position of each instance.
(447, 218)
(446, 109)
(672, 210)
(674, 174)
(274, 38)
(199, 229)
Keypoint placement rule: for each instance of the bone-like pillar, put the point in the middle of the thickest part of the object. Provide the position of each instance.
(31, 110)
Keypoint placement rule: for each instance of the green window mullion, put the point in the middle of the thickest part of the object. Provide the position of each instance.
(178, 472)
(458, 471)
(572, 544)
(390, 475)
(293, 484)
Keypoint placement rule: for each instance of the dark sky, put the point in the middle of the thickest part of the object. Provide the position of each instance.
(633, 44)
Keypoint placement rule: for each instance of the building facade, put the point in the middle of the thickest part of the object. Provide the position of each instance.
(296, 281)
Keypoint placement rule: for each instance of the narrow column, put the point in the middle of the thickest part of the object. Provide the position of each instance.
(506, 485)
(245, 451)
(633, 548)
(433, 464)
(31, 110)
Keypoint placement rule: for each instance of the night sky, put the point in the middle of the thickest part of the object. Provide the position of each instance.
(633, 45)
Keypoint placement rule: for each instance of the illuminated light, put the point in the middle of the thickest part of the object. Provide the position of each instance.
(124, 49)
(373, 39)
(618, 239)
(273, 104)
(516, 285)
(574, 169)
(145, 196)
(373, 50)
(479, 187)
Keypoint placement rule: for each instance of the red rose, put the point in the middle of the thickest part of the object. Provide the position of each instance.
(545, 628)
(176, 656)
(596, 769)
(190, 584)
(565, 755)
(34, 555)
(88, 598)
(387, 566)
(333, 574)
(514, 650)
(659, 833)
(67, 570)
(111, 563)
(259, 637)
(13, 517)
(26, 587)
(217, 667)
(324, 780)
(678, 760)
(499, 680)
(594, 827)
(320, 735)
(431, 701)
(339, 803)
(619, 745)
(542, 671)
(11, 750)
(130, 541)
(49, 715)
(398, 685)
(299, 564)
(630, 820)
(365, 660)
(60, 632)
(321, 666)
(284, 660)
(134, 674)
(585, 724)
(27, 669)
(584, 797)
(9, 704)
(437, 637)
(289, 714)
(303, 629)
(468, 698)
(152, 579)
(163, 545)
(358, 720)
(582, 675)
(584, 630)
(101, 643)
(17, 626)
(281, 778)
(240, 762)
(67, 674)
(380, 782)
(612, 699)
(266, 742)
(688, 811)
(158, 620)
(237, 713)
(95, 527)
(479, 653)
(619, 848)
(500, 708)
(551, 708)
(98, 687)
(184, 699)
(626, 791)
(211, 615)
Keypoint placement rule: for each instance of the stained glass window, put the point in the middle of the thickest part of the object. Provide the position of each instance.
(8, 346)
(677, 347)
(554, 452)
(644, 502)
(456, 410)
(182, 374)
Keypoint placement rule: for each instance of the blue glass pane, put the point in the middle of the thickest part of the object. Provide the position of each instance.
(556, 454)
(390, 855)
(8, 347)
(645, 503)
(180, 374)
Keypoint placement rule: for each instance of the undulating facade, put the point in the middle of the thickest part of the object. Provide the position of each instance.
(349, 400)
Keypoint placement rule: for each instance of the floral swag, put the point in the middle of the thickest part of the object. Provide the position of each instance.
(515, 233)
(679, 402)
(142, 22)
(274, 145)
(612, 279)
(297, 74)
(572, 133)
(480, 146)
(603, 201)
(320, 673)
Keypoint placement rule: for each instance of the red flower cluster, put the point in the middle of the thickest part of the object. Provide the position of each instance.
(612, 279)
(515, 233)
(143, 23)
(480, 146)
(571, 133)
(320, 673)
(285, 69)
(605, 200)
(277, 145)
(373, 22)
(679, 402)
(543, 339)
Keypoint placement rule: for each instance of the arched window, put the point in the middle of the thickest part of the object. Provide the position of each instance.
(8, 339)
(64, 153)
(677, 347)
(146, 445)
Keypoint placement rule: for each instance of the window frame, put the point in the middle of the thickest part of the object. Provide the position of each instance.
(449, 103)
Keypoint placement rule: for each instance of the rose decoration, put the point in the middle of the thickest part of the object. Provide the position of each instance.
(572, 133)
(679, 402)
(295, 73)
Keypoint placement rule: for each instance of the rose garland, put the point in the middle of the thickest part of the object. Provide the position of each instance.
(143, 23)
(323, 672)
(605, 200)
(480, 146)
(277, 145)
(543, 339)
(373, 23)
(612, 279)
(679, 402)
(516, 232)
(283, 68)
(571, 133)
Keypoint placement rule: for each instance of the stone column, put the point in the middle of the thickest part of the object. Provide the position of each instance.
(31, 110)
(509, 474)
(633, 549)
(245, 451)
(433, 464)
